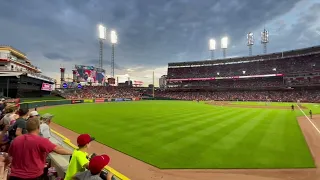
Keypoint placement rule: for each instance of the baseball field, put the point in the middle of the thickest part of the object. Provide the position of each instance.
(184, 134)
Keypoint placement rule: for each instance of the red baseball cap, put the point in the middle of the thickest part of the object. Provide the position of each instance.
(97, 163)
(84, 139)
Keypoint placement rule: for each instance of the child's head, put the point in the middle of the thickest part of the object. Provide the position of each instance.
(84, 140)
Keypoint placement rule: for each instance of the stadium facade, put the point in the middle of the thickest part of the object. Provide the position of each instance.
(19, 78)
(296, 69)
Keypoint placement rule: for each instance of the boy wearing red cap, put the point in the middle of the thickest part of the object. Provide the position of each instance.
(96, 165)
(79, 159)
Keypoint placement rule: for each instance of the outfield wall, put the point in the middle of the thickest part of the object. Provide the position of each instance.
(59, 161)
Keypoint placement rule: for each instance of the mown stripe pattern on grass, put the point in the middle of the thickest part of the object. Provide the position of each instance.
(177, 134)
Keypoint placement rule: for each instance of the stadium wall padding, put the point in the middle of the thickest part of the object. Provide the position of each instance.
(36, 104)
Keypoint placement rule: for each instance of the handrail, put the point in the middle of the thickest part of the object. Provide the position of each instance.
(108, 168)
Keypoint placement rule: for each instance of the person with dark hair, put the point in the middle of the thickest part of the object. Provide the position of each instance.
(292, 107)
(29, 152)
(19, 127)
(79, 160)
(96, 166)
(310, 113)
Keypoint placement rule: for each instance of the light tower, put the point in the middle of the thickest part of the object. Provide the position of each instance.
(224, 46)
(250, 42)
(114, 41)
(102, 36)
(212, 47)
(264, 40)
(62, 71)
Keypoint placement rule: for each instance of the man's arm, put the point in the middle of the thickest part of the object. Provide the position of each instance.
(48, 147)
(20, 126)
(61, 150)
(18, 132)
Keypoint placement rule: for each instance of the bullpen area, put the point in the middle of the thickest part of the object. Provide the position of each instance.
(192, 135)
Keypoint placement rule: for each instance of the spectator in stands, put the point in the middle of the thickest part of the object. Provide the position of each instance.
(79, 159)
(33, 114)
(9, 117)
(29, 152)
(96, 165)
(1, 107)
(44, 127)
(19, 127)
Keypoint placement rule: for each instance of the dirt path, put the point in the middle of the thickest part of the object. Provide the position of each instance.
(228, 104)
(138, 170)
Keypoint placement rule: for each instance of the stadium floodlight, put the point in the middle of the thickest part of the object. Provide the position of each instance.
(114, 40)
(102, 33)
(114, 37)
(212, 47)
(224, 42)
(250, 42)
(224, 46)
(264, 40)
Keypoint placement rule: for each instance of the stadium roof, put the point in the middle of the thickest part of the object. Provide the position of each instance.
(304, 51)
(14, 51)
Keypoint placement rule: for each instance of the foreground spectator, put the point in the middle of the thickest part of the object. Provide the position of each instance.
(44, 126)
(19, 127)
(96, 166)
(29, 152)
(79, 160)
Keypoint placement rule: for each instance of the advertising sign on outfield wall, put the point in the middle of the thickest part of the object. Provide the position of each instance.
(99, 100)
(88, 101)
(127, 99)
(76, 101)
(118, 99)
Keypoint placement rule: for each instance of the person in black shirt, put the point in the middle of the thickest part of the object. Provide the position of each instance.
(310, 113)
(292, 107)
(19, 127)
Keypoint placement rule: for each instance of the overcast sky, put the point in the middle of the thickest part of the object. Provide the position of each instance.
(151, 33)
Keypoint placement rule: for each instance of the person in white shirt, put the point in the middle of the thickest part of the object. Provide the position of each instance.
(44, 127)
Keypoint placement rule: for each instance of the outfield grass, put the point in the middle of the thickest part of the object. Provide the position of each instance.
(180, 134)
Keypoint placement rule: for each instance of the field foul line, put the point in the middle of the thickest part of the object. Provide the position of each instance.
(309, 119)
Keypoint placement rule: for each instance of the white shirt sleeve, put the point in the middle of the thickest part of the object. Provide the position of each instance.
(45, 131)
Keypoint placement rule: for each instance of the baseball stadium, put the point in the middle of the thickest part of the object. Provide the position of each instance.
(253, 118)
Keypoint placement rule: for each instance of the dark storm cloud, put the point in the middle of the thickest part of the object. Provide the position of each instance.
(54, 56)
(151, 33)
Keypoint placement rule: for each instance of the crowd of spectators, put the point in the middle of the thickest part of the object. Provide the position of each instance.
(280, 96)
(288, 65)
(25, 145)
(91, 92)
(232, 83)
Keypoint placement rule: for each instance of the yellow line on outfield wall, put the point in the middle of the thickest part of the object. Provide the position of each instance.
(60, 135)
(110, 169)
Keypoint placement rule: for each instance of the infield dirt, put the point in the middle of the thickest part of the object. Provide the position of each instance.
(138, 170)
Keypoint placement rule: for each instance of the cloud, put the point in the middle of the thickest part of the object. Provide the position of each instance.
(151, 33)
